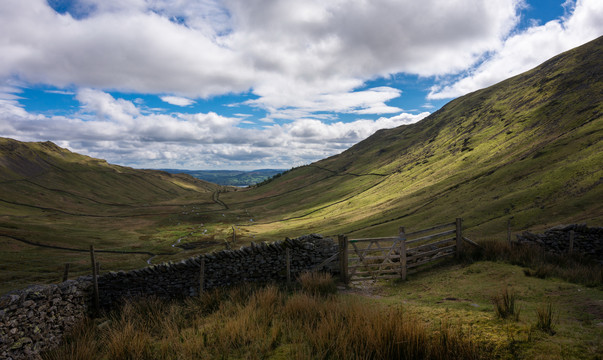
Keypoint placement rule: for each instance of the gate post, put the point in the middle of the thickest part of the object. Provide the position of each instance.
(343, 258)
(402, 253)
(95, 295)
(459, 237)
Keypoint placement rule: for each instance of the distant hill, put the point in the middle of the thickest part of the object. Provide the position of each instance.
(66, 179)
(56, 198)
(230, 177)
(526, 150)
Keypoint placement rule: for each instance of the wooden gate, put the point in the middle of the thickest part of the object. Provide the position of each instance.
(395, 257)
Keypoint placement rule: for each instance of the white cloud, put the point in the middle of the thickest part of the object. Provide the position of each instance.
(177, 100)
(300, 61)
(285, 52)
(528, 49)
(116, 130)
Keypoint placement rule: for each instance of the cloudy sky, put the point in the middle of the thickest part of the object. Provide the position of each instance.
(249, 84)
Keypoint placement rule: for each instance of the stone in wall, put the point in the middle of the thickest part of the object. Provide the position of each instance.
(588, 241)
(35, 319)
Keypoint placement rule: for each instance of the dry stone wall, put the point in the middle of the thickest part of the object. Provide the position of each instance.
(34, 319)
(588, 241)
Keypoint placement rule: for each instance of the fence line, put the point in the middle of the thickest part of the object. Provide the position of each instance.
(392, 257)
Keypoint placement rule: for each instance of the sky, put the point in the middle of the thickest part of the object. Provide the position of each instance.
(253, 84)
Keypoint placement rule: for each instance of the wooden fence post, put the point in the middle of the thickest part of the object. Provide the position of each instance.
(402, 253)
(288, 264)
(571, 241)
(343, 258)
(202, 275)
(459, 237)
(94, 280)
(66, 272)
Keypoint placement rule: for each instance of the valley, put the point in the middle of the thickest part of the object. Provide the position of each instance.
(526, 151)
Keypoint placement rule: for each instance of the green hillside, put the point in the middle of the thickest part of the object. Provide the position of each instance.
(54, 197)
(527, 149)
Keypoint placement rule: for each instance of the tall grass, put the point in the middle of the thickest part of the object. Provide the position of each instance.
(255, 323)
(570, 267)
(545, 318)
(505, 306)
(317, 283)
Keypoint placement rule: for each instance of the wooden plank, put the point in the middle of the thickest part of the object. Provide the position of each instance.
(429, 260)
(374, 239)
(370, 266)
(472, 242)
(378, 257)
(431, 252)
(343, 250)
(429, 237)
(431, 244)
(424, 231)
(374, 247)
(366, 250)
(327, 261)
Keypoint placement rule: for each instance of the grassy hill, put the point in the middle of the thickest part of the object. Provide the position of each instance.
(53, 197)
(527, 149)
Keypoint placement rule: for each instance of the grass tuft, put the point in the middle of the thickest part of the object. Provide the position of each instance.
(317, 283)
(545, 318)
(505, 305)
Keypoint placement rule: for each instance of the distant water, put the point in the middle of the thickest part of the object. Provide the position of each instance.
(238, 178)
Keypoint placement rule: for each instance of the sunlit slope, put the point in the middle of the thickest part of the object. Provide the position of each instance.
(528, 148)
(66, 202)
(51, 196)
(45, 175)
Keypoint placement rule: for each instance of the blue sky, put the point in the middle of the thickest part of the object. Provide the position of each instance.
(248, 84)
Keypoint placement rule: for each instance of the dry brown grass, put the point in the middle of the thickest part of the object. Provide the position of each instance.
(255, 323)
(317, 283)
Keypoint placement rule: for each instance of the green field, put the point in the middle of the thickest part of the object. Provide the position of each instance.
(527, 150)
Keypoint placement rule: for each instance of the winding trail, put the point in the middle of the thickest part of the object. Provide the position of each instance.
(216, 198)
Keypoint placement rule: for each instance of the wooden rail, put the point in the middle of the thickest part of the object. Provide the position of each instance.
(392, 257)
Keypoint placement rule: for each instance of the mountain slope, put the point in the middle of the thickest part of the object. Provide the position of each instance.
(55, 198)
(527, 149)
(61, 172)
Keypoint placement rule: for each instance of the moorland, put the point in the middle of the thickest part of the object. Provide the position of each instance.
(525, 152)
